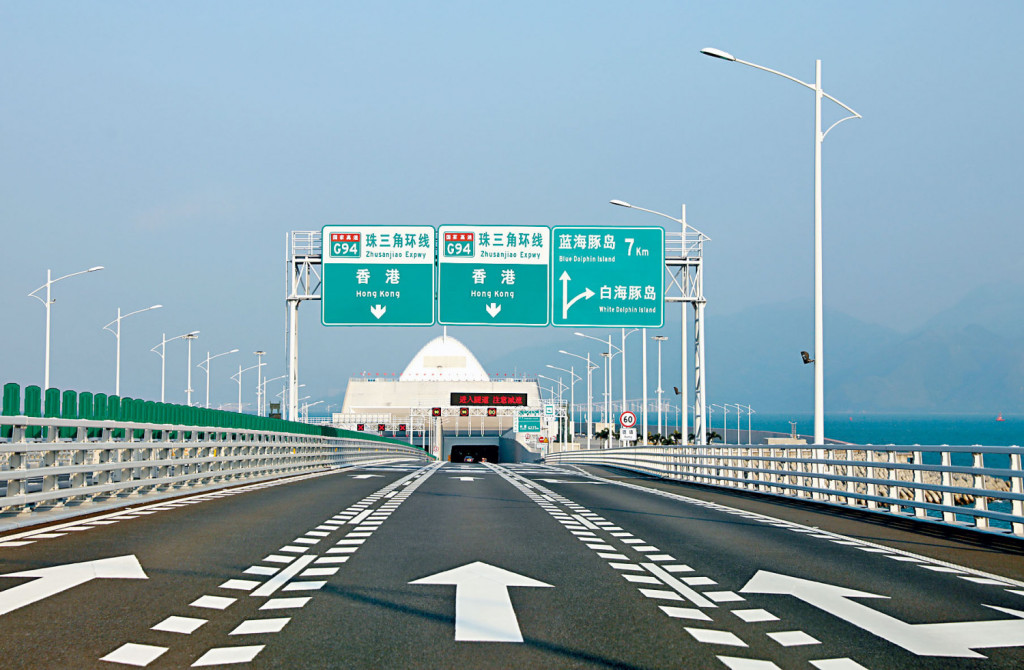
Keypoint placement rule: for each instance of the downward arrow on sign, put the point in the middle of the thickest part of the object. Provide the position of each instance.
(378, 310)
(53, 580)
(483, 610)
(493, 309)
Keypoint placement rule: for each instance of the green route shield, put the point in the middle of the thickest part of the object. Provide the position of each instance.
(377, 276)
(606, 277)
(493, 275)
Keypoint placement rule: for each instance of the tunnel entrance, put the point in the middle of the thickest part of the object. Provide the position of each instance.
(461, 453)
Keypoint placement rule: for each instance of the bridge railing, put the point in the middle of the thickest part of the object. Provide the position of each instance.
(972, 486)
(85, 460)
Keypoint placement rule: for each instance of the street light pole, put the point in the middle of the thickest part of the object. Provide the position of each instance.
(659, 339)
(819, 138)
(205, 365)
(163, 358)
(590, 408)
(573, 378)
(259, 376)
(725, 421)
(188, 389)
(117, 335)
(47, 303)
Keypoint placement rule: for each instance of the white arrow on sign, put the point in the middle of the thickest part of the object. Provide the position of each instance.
(958, 639)
(53, 580)
(566, 303)
(493, 309)
(378, 310)
(483, 610)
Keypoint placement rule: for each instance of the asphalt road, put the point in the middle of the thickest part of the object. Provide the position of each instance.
(500, 566)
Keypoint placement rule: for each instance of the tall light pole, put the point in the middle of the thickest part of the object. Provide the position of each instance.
(267, 381)
(725, 420)
(612, 352)
(117, 334)
(188, 384)
(560, 387)
(659, 339)
(819, 137)
(573, 378)
(590, 408)
(259, 386)
(622, 350)
(239, 379)
(205, 365)
(694, 285)
(163, 357)
(739, 409)
(47, 303)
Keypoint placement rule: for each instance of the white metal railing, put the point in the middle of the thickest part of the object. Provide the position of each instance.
(890, 479)
(106, 459)
(306, 243)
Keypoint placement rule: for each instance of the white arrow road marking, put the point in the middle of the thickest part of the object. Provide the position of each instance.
(365, 476)
(957, 639)
(466, 479)
(378, 310)
(483, 610)
(493, 309)
(53, 580)
(566, 303)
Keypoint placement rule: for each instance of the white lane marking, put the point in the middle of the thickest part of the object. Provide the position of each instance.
(793, 638)
(55, 579)
(257, 626)
(275, 582)
(642, 579)
(139, 655)
(684, 613)
(349, 541)
(661, 594)
(483, 609)
(365, 476)
(586, 524)
(660, 557)
(304, 586)
(709, 636)
(342, 550)
(292, 549)
(677, 568)
(306, 540)
(330, 560)
(15, 543)
(212, 602)
(983, 580)
(319, 572)
(755, 615)
(613, 557)
(228, 655)
(958, 639)
(275, 558)
(359, 517)
(179, 624)
(724, 596)
(284, 603)
(317, 533)
(682, 589)
(734, 663)
(240, 584)
(698, 581)
(260, 570)
(837, 664)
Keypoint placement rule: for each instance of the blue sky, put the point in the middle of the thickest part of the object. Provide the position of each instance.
(177, 143)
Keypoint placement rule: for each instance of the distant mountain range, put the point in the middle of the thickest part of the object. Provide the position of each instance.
(969, 358)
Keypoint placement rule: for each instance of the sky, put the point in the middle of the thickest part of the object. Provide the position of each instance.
(177, 144)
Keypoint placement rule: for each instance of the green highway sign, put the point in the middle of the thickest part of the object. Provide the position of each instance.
(528, 421)
(493, 275)
(377, 276)
(608, 277)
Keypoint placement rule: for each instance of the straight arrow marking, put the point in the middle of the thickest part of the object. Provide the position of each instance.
(51, 581)
(483, 610)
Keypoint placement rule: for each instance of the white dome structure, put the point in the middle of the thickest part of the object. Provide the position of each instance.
(444, 359)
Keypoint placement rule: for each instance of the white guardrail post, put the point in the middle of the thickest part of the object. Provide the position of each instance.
(939, 484)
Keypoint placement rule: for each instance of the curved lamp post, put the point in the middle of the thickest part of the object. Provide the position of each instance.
(117, 334)
(47, 303)
(819, 137)
(163, 357)
(205, 366)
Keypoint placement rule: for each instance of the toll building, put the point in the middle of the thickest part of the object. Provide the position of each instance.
(445, 401)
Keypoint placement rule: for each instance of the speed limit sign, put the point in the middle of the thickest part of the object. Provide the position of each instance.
(627, 419)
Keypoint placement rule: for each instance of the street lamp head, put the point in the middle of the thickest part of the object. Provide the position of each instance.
(659, 338)
(259, 353)
(233, 351)
(156, 307)
(718, 53)
(620, 203)
(579, 334)
(98, 267)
